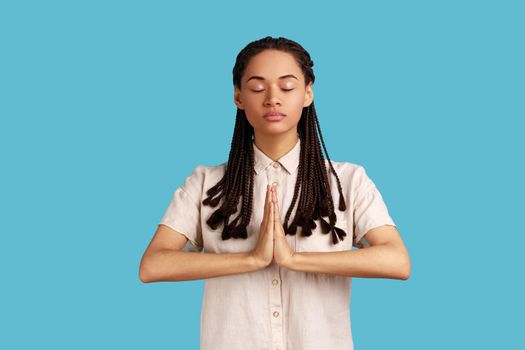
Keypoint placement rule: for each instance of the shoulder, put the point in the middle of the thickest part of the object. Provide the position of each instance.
(205, 173)
(204, 176)
(351, 173)
(353, 177)
(346, 167)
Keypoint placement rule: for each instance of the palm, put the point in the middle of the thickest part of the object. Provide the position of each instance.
(282, 253)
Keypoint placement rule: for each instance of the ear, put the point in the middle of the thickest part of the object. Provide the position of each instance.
(237, 97)
(309, 95)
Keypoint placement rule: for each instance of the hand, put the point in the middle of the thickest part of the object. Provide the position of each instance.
(263, 252)
(282, 252)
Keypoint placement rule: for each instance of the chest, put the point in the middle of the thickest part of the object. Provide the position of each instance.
(285, 184)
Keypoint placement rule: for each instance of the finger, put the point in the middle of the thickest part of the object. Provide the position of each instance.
(268, 206)
(277, 226)
(272, 215)
(266, 211)
(277, 212)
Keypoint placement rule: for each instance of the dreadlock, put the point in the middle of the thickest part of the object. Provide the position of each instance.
(315, 198)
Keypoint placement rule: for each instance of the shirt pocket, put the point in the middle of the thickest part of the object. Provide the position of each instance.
(322, 242)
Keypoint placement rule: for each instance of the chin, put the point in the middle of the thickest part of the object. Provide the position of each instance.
(276, 129)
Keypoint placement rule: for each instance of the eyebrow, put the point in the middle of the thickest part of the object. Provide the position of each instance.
(282, 77)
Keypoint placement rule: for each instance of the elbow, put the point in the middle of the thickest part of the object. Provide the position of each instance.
(144, 278)
(145, 275)
(404, 269)
(404, 274)
(399, 266)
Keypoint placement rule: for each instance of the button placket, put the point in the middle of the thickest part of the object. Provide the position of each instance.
(276, 308)
(274, 174)
(276, 179)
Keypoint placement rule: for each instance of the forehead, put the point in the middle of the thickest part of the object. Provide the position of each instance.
(272, 64)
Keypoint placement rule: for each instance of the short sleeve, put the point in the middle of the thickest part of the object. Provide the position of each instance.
(183, 213)
(370, 210)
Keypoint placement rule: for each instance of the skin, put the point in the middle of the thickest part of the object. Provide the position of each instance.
(272, 243)
(288, 96)
(264, 89)
(164, 259)
(259, 96)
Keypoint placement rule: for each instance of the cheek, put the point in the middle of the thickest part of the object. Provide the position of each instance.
(297, 101)
(296, 104)
(252, 116)
(252, 104)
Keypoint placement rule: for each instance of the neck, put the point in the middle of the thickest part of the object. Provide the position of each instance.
(276, 146)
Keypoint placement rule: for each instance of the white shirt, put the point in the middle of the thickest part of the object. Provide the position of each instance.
(276, 308)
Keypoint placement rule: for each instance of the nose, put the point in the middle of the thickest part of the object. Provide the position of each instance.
(272, 98)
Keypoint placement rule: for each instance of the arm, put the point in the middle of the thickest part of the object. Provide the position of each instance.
(386, 257)
(164, 260)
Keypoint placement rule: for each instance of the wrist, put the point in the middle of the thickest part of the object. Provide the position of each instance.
(290, 261)
(257, 262)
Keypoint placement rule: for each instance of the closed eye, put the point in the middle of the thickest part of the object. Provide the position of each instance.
(263, 90)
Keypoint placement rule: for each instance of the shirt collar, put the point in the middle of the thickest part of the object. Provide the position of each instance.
(289, 161)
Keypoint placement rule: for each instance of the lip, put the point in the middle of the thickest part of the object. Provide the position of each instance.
(274, 116)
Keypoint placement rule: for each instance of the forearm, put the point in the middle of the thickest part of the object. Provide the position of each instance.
(172, 265)
(379, 261)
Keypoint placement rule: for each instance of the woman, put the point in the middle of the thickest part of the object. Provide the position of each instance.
(271, 241)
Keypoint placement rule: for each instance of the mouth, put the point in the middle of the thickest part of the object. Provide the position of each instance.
(274, 116)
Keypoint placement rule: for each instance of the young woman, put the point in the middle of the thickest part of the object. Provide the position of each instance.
(272, 229)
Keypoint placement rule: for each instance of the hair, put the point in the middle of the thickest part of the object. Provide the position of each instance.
(315, 199)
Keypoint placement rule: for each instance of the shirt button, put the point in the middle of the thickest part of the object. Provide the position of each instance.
(274, 282)
(275, 165)
(275, 183)
(275, 314)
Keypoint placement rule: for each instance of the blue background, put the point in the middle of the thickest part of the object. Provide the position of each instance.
(106, 107)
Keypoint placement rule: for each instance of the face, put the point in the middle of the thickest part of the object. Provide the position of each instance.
(273, 81)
